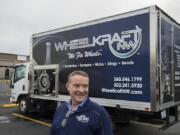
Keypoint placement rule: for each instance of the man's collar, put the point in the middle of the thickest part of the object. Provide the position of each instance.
(69, 104)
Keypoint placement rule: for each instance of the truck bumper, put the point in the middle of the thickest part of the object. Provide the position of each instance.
(12, 99)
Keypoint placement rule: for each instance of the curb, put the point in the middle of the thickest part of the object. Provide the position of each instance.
(31, 119)
(8, 105)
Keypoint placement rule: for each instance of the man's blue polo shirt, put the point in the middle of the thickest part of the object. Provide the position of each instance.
(88, 119)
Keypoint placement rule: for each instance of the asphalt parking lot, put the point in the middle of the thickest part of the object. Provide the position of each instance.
(14, 123)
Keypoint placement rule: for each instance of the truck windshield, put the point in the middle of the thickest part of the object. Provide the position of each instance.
(19, 73)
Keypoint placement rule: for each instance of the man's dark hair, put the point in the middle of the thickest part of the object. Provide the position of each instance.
(77, 72)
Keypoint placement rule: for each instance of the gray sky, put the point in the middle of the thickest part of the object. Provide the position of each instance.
(19, 19)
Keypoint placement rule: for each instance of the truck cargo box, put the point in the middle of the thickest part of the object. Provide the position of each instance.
(133, 59)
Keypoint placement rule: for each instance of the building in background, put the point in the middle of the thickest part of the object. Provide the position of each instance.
(7, 63)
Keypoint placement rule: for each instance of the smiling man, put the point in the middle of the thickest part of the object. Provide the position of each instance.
(80, 116)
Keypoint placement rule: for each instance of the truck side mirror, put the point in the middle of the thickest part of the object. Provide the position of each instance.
(11, 85)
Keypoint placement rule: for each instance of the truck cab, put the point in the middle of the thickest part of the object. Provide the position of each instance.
(21, 92)
(19, 82)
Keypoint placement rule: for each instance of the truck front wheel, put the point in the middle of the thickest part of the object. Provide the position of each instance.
(24, 105)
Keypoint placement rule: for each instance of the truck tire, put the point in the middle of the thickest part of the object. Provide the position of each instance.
(24, 105)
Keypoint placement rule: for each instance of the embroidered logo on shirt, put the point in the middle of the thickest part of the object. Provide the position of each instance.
(82, 118)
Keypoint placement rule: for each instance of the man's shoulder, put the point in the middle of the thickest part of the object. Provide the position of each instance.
(62, 106)
(100, 111)
(94, 106)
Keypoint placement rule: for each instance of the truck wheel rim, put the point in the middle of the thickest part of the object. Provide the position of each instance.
(23, 106)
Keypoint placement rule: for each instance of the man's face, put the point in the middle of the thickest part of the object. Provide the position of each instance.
(78, 88)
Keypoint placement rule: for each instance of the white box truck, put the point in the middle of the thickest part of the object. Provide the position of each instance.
(133, 60)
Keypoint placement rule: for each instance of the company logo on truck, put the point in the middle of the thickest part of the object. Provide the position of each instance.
(122, 45)
(126, 45)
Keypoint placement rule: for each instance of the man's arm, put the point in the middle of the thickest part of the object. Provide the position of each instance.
(106, 127)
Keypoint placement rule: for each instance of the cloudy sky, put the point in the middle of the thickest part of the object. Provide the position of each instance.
(19, 19)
